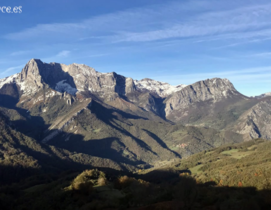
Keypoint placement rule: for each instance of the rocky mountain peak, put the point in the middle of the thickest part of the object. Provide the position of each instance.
(37, 74)
(76, 78)
(213, 90)
(71, 78)
(147, 80)
(31, 76)
(31, 72)
(263, 95)
(256, 121)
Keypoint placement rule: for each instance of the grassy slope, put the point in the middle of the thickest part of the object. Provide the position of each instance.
(246, 164)
(96, 190)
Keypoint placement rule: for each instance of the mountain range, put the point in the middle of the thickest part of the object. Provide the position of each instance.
(74, 113)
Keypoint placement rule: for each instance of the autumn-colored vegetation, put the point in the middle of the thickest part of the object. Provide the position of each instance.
(93, 189)
(229, 177)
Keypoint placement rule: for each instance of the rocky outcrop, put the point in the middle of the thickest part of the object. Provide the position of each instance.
(31, 74)
(70, 78)
(256, 122)
(213, 90)
(87, 79)
(263, 95)
(129, 85)
(68, 97)
(37, 75)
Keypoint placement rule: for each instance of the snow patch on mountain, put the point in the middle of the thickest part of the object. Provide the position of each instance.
(263, 95)
(162, 89)
(62, 87)
(8, 80)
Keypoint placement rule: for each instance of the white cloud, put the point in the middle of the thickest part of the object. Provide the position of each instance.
(64, 53)
(241, 76)
(11, 69)
(244, 22)
(19, 52)
(42, 30)
(259, 55)
(209, 20)
(97, 55)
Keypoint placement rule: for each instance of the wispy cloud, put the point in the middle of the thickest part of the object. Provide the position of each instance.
(97, 55)
(250, 75)
(64, 53)
(244, 22)
(42, 30)
(165, 21)
(22, 52)
(10, 69)
(259, 55)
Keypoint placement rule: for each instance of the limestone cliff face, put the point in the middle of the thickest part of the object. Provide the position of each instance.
(212, 102)
(31, 76)
(109, 115)
(129, 85)
(79, 80)
(37, 75)
(87, 79)
(213, 90)
(71, 78)
(256, 122)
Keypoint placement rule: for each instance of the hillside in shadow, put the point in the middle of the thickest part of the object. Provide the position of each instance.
(98, 189)
(21, 119)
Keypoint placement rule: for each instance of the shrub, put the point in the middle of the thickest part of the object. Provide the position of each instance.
(102, 181)
(83, 187)
(84, 182)
(123, 182)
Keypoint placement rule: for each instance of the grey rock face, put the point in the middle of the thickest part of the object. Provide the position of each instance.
(256, 122)
(72, 78)
(211, 89)
(186, 104)
(123, 117)
(263, 95)
(68, 97)
(87, 79)
(147, 102)
(36, 75)
(31, 75)
(129, 85)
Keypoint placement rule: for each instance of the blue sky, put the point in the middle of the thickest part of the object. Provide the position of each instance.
(179, 42)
